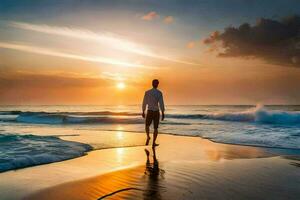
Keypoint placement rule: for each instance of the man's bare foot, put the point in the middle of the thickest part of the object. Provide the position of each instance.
(147, 141)
(155, 145)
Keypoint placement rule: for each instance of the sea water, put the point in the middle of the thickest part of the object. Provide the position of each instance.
(26, 138)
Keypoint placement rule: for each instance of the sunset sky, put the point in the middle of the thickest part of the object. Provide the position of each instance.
(107, 52)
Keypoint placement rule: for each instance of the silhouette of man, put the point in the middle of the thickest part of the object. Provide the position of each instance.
(154, 100)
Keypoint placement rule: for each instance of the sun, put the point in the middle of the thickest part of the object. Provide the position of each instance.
(121, 85)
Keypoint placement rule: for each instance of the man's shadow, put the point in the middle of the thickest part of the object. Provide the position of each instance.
(154, 175)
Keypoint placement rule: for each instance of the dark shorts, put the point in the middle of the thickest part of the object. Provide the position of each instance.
(152, 116)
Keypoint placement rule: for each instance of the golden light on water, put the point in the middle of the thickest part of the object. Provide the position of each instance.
(120, 152)
(120, 128)
(120, 135)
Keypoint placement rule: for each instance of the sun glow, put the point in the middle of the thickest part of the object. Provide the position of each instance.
(121, 85)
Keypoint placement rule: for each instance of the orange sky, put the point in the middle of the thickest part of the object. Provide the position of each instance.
(79, 58)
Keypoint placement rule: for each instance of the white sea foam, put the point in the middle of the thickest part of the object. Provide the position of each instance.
(258, 114)
(19, 151)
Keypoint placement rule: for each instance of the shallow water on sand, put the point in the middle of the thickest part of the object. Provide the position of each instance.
(182, 167)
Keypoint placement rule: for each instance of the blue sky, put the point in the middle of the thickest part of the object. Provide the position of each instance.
(203, 14)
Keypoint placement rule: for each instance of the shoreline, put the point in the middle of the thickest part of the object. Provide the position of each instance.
(275, 151)
(205, 138)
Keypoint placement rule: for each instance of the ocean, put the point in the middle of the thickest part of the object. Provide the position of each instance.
(31, 135)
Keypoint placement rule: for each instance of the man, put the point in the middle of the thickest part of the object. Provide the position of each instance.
(152, 98)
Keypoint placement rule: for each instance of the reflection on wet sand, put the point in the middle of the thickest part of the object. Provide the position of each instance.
(153, 175)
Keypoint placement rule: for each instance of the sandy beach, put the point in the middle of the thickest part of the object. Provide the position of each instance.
(182, 168)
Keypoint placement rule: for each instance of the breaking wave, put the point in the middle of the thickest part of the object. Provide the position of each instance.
(259, 114)
(19, 151)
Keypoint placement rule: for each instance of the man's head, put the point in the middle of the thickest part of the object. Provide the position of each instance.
(155, 83)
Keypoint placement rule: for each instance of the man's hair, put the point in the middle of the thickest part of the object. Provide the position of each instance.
(155, 83)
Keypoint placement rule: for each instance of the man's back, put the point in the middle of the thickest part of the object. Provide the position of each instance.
(152, 98)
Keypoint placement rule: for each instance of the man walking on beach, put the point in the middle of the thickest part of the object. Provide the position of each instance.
(152, 98)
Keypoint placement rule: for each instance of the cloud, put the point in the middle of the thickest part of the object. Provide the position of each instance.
(128, 77)
(153, 15)
(168, 19)
(150, 16)
(275, 41)
(110, 40)
(191, 45)
(41, 88)
(24, 79)
(113, 76)
(51, 52)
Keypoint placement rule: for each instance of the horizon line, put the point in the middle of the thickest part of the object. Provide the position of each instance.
(141, 104)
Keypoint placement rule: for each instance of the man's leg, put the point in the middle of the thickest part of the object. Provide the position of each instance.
(148, 134)
(155, 123)
(155, 136)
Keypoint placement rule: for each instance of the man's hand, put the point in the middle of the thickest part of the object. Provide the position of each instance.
(162, 116)
(143, 115)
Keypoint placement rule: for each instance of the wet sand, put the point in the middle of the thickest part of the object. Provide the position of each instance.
(180, 168)
(242, 179)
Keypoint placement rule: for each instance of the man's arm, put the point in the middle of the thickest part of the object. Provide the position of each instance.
(162, 107)
(144, 104)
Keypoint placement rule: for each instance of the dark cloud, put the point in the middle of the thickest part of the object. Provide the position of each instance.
(275, 41)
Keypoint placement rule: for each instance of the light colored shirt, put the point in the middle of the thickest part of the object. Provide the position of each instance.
(152, 98)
